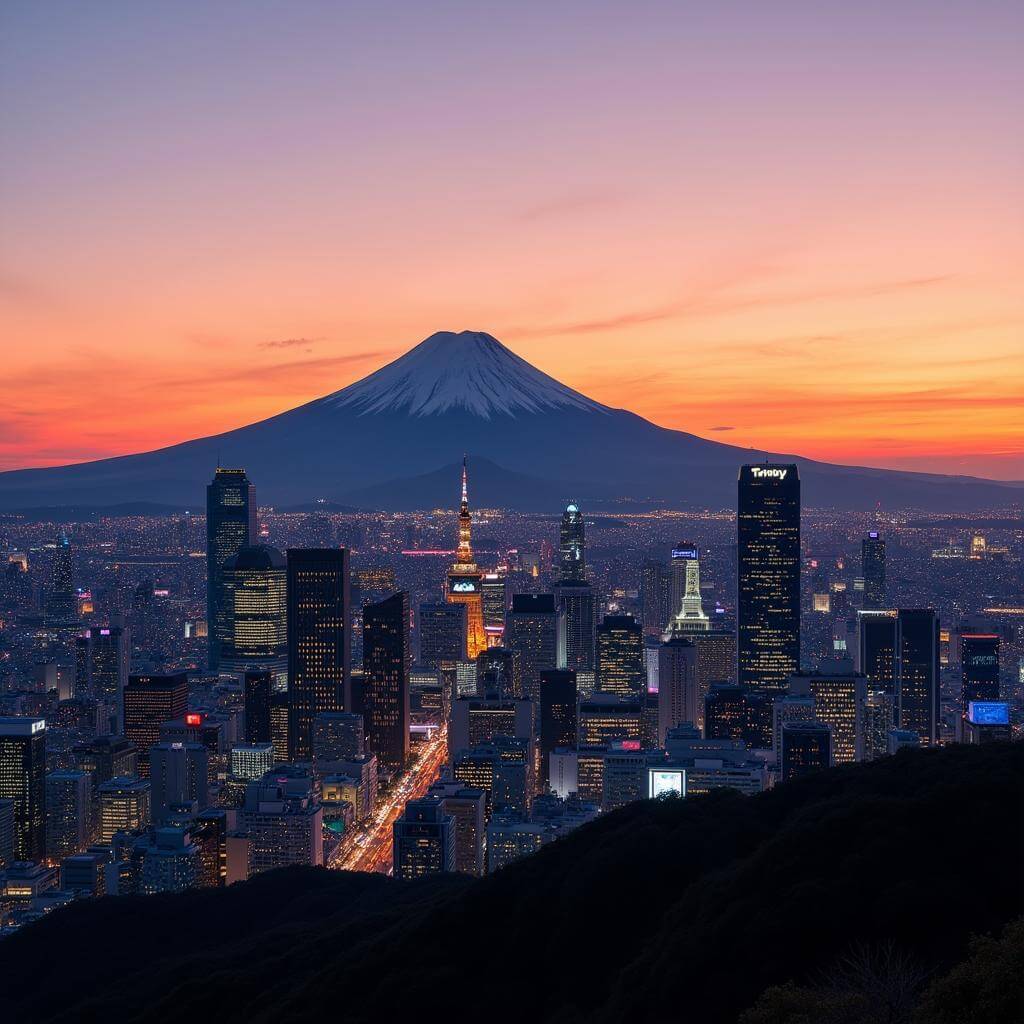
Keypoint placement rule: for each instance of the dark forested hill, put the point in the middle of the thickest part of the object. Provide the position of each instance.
(663, 911)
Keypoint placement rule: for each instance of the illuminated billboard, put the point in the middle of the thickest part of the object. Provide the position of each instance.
(665, 781)
(690, 553)
(463, 587)
(988, 712)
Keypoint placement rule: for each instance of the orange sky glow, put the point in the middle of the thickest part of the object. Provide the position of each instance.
(805, 270)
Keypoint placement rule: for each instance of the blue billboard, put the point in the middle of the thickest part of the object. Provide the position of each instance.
(988, 712)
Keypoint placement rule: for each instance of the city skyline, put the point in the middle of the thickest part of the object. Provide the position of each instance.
(783, 232)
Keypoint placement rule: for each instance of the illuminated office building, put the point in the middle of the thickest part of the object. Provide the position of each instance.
(494, 600)
(319, 640)
(68, 813)
(476, 720)
(872, 554)
(768, 577)
(468, 810)
(386, 666)
(23, 781)
(531, 633)
(124, 806)
(840, 696)
(917, 681)
(254, 585)
(688, 609)
(106, 758)
(280, 726)
(716, 663)
(283, 821)
(464, 580)
(230, 526)
(251, 761)
(620, 656)
(150, 700)
(424, 840)
(605, 717)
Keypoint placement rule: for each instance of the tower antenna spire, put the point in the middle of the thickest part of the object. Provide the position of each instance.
(465, 487)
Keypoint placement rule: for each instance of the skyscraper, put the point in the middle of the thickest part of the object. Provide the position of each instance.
(620, 656)
(576, 626)
(872, 556)
(319, 640)
(230, 526)
(178, 775)
(655, 597)
(572, 546)
(150, 700)
(557, 714)
(840, 702)
(68, 813)
(917, 680)
(23, 781)
(878, 648)
(61, 606)
(768, 577)
(679, 696)
(464, 581)
(531, 634)
(442, 634)
(101, 665)
(688, 614)
(386, 679)
(124, 806)
(979, 667)
(254, 590)
(256, 705)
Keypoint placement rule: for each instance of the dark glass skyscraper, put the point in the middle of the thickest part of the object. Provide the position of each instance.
(806, 748)
(878, 644)
(531, 634)
(256, 698)
(872, 556)
(979, 664)
(319, 641)
(768, 576)
(917, 680)
(23, 781)
(557, 714)
(572, 545)
(61, 606)
(386, 679)
(230, 526)
(101, 666)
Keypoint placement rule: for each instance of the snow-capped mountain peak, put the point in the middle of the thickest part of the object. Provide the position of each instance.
(470, 370)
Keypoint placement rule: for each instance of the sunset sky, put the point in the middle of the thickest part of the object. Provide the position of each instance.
(796, 226)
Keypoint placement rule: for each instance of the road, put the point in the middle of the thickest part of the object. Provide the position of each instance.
(370, 848)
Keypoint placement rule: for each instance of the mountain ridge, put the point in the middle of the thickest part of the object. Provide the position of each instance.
(455, 393)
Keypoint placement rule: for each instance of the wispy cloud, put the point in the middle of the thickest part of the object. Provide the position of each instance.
(719, 430)
(290, 343)
(583, 201)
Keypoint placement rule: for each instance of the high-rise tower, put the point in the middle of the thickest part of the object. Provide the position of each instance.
(689, 614)
(61, 606)
(572, 545)
(464, 578)
(872, 555)
(230, 526)
(768, 576)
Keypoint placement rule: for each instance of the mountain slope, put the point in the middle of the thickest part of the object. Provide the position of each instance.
(661, 911)
(455, 393)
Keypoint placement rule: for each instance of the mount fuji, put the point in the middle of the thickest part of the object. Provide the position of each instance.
(393, 441)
